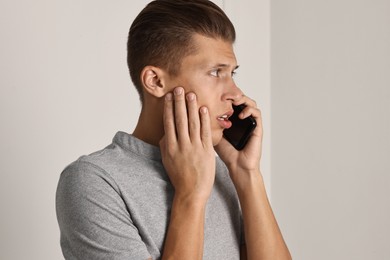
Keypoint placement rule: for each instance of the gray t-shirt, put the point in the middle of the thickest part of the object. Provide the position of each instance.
(115, 204)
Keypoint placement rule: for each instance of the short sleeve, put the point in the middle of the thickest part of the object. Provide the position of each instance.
(93, 218)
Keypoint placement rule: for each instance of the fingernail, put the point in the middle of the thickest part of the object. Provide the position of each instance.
(190, 96)
(178, 91)
(168, 96)
(203, 110)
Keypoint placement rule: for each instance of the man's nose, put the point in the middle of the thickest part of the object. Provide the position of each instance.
(232, 92)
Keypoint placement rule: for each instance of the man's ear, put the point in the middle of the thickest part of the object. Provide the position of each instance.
(153, 81)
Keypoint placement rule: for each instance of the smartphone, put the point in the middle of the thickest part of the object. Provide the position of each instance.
(240, 131)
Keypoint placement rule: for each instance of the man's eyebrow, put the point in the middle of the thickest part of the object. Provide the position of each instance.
(222, 65)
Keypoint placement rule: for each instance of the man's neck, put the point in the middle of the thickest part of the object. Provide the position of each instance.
(150, 127)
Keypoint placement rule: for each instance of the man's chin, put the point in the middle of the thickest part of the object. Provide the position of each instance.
(217, 138)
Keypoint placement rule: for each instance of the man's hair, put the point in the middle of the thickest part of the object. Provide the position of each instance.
(161, 35)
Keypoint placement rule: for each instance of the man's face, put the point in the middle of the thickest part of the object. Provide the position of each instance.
(208, 73)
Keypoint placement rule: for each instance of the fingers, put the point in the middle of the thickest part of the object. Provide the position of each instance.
(251, 109)
(193, 117)
(205, 127)
(181, 115)
(169, 119)
(183, 120)
(198, 122)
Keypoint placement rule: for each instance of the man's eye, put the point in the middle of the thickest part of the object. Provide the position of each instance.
(215, 73)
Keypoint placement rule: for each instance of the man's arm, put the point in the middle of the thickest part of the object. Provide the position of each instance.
(189, 159)
(93, 218)
(262, 235)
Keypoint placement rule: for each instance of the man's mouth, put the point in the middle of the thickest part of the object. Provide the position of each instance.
(224, 121)
(224, 118)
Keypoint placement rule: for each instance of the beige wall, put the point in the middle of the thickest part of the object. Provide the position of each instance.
(331, 127)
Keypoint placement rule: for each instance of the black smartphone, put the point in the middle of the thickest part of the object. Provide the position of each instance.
(240, 131)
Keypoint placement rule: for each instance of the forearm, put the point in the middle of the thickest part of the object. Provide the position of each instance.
(262, 234)
(184, 238)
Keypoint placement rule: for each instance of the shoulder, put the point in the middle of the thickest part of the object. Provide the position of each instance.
(82, 174)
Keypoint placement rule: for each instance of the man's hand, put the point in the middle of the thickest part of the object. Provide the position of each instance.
(248, 159)
(189, 159)
(187, 151)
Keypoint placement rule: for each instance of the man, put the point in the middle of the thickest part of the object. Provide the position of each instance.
(161, 193)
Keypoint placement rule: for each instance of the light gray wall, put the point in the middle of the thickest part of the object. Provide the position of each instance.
(330, 109)
(65, 91)
(251, 19)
